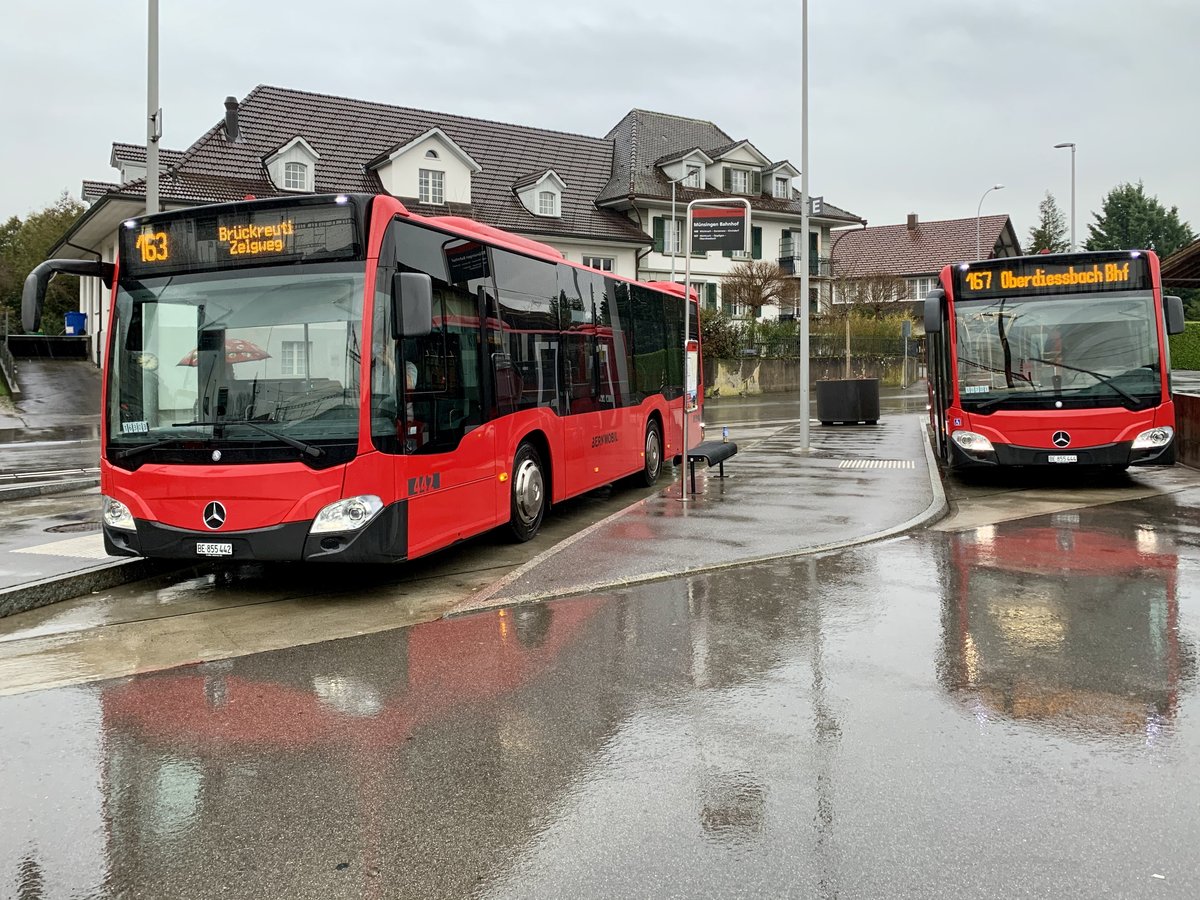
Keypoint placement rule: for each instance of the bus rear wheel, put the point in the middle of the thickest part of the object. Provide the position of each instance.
(528, 494)
(652, 467)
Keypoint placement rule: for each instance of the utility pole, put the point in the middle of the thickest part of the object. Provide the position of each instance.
(804, 304)
(153, 112)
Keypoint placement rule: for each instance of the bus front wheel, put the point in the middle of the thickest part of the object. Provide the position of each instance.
(653, 455)
(528, 503)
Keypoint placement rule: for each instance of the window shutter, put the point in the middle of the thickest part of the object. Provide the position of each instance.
(710, 295)
(756, 183)
(756, 242)
(728, 179)
(659, 240)
(728, 254)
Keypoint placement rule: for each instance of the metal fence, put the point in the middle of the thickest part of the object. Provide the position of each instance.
(7, 364)
(832, 345)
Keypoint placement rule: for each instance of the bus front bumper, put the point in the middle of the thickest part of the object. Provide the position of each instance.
(382, 540)
(1119, 454)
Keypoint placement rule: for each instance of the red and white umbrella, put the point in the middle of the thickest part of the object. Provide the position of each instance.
(236, 350)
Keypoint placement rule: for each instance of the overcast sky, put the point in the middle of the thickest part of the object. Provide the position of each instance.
(915, 106)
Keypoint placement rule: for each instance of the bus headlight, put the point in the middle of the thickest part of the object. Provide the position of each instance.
(117, 515)
(350, 514)
(971, 441)
(1154, 438)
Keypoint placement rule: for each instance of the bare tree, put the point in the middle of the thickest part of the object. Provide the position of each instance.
(757, 283)
(875, 295)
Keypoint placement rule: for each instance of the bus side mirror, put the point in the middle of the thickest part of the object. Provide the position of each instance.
(933, 311)
(412, 304)
(33, 294)
(1174, 309)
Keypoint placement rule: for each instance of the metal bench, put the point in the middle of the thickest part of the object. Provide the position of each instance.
(713, 453)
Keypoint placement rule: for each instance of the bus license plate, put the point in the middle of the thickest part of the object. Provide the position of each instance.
(214, 549)
(1062, 458)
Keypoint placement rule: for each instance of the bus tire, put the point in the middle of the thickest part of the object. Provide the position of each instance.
(527, 497)
(652, 467)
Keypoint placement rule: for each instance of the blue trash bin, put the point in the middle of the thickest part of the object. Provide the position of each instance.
(76, 323)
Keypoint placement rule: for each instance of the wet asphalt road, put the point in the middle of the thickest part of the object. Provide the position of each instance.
(1008, 711)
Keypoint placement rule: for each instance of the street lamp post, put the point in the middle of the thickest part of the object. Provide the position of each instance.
(805, 338)
(1062, 147)
(978, 210)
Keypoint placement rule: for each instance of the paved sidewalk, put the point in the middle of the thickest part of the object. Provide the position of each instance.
(856, 483)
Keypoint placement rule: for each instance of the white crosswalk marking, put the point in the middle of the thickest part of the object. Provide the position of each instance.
(877, 464)
(86, 546)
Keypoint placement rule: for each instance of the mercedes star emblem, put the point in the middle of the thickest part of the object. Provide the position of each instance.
(214, 515)
(1061, 439)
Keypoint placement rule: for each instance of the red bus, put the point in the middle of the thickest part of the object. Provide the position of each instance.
(1052, 360)
(335, 378)
(1066, 626)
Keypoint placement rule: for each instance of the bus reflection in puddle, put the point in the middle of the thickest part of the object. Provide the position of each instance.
(1069, 629)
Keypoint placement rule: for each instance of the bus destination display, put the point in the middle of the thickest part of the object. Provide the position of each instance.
(1033, 278)
(201, 242)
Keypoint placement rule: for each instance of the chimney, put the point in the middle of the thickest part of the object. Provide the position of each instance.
(231, 119)
(912, 220)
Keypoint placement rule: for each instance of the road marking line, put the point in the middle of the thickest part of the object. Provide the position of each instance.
(877, 464)
(87, 546)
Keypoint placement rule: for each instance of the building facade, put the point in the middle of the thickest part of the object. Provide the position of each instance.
(602, 201)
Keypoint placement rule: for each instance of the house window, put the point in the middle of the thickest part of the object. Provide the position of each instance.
(781, 188)
(739, 181)
(603, 263)
(295, 177)
(431, 154)
(672, 237)
(693, 177)
(431, 186)
(294, 359)
(919, 287)
(547, 203)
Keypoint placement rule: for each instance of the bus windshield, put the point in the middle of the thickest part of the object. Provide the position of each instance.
(266, 357)
(1079, 350)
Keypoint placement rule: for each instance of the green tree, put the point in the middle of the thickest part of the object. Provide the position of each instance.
(1128, 219)
(23, 244)
(1050, 233)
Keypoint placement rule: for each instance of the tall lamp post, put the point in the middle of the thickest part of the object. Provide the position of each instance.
(978, 210)
(1063, 146)
(805, 337)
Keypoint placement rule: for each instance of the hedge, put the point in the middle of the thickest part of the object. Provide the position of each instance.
(1185, 347)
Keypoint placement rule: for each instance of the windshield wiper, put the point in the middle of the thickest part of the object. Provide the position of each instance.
(1103, 379)
(306, 449)
(154, 445)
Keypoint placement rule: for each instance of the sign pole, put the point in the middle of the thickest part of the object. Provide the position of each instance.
(728, 235)
(805, 338)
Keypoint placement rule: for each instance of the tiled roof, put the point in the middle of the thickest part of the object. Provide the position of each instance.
(136, 153)
(922, 250)
(644, 140)
(347, 133)
(95, 189)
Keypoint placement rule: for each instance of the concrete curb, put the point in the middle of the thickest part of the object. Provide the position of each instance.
(937, 509)
(42, 488)
(35, 594)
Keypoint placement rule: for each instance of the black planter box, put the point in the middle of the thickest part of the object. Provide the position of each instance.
(848, 400)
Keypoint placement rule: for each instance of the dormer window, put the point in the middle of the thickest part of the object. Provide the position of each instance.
(431, 186)
(781, 190)
(293, 166)
(694, 175)
(541, 193)
(295, 176)
(739, 181)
